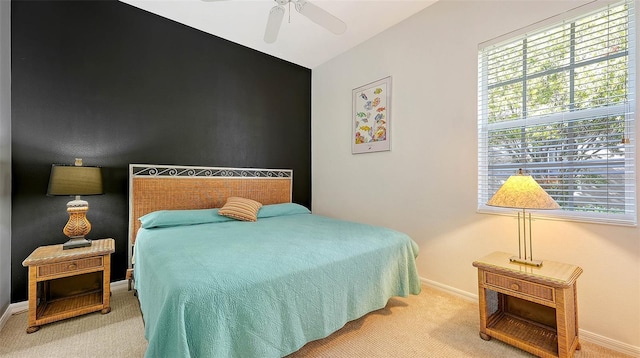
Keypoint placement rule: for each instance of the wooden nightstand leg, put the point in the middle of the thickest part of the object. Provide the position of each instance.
(129, 277)
(564, 345)
(567, 327)
(33, 300)
(575, 308)
(482, 304)
(106, 285)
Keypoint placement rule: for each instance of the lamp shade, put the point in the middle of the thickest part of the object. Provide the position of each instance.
(75, 180)
(522, 192)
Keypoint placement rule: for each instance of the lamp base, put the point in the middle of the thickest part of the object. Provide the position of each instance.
(78, 224)
(531, 262)
(75, 243)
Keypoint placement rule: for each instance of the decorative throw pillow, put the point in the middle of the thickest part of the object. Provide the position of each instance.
(241, 209)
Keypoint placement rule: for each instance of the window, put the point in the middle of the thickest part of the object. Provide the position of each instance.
(559, 103)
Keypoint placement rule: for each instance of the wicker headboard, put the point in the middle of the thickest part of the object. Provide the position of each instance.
(171, 187)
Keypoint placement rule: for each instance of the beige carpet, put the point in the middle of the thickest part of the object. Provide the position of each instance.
(432, 324)
(119, 333)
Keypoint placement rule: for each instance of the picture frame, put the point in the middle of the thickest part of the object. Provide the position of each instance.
(371, 117)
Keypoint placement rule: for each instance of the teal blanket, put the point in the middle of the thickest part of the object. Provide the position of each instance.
(265, 288)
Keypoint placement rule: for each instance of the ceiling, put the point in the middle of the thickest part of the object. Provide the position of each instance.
(300, 40)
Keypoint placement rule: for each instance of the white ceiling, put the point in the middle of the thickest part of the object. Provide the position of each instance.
(300, 40)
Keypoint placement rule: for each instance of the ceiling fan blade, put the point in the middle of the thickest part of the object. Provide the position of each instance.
(321, 17)
(273, 24)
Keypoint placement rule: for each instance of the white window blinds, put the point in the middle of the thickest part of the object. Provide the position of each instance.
(559, 103)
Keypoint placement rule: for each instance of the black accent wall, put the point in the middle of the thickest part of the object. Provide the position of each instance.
(114, 85)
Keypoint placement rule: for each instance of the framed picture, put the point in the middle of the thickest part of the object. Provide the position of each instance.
(371, 118)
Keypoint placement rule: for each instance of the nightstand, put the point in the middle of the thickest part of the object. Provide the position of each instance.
(532, 308)
(68, 283)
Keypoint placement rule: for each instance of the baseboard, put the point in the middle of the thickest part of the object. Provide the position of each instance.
(119, 285)
(612, 344)
(5, 317)
(20, 307)
(452, 290)
(585, 336)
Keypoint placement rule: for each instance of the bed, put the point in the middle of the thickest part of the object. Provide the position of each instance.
(213, 286)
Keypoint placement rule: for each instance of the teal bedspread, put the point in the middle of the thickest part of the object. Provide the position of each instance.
(265, 288)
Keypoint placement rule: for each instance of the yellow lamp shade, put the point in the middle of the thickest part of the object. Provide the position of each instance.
(522, 192)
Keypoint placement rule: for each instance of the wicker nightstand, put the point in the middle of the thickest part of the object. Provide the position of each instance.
(68, 283)
(532, 308)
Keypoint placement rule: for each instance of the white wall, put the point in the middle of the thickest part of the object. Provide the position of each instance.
(5, 156)
(426, 185)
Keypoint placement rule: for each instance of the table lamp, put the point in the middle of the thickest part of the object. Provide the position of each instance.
(76, 180)
(523, 192)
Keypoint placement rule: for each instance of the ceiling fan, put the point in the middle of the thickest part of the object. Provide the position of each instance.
(311, 11)
(306, 8)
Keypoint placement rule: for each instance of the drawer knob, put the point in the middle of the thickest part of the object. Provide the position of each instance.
(514, 286)
(72, 266)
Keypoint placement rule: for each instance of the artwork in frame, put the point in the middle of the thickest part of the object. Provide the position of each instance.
(371, 118)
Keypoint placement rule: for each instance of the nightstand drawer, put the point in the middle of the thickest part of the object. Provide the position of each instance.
(519, 286)
(69, 266)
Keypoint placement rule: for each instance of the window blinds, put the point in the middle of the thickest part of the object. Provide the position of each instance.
(559, 103)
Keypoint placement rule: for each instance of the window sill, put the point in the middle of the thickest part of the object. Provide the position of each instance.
(627, 220)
